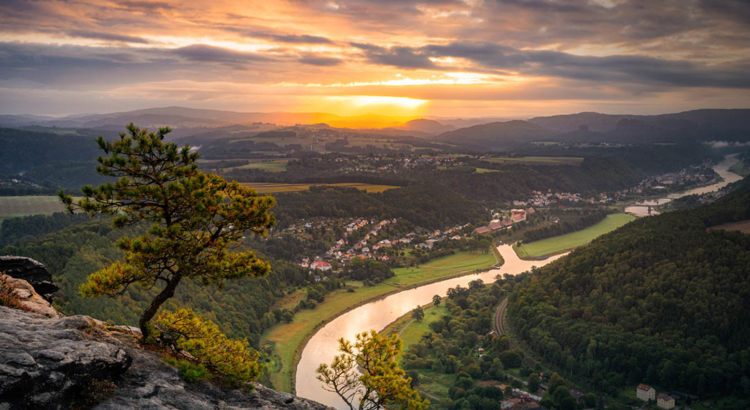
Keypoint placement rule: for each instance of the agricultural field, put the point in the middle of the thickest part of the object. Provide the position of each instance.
(742, 226)
(272, 187)
(740, 169)
(14, 206)
(557, 244)
(538, 160)
(288, 337)
(273, 165)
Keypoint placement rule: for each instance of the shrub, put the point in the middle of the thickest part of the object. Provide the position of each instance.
(232, 360)
(190, 372)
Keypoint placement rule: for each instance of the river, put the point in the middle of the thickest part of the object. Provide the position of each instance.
(721, 168)
(323, 346)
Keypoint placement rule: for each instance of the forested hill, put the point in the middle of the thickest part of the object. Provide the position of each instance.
(660, 300)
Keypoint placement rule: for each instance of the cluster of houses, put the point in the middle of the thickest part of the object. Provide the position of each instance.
(648, 394)
(540, 199)
(692, 175)
(16, 181)
(504, 222)
(375, 164)
(365, 249)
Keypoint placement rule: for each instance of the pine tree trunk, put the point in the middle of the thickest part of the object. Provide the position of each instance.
(162, 297)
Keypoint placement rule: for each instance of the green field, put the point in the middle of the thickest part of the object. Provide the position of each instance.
(557, 244)
(274, 165)
(13, 206)
(289, 338)
(272, 187)
(740, 169)
(411, 330)
(538, 160)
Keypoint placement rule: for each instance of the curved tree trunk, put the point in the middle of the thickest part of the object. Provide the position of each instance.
(162, 297)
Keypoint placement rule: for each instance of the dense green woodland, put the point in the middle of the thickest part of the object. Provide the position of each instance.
(451, 349)
(660, 301)
(242, 309)
(427, 205)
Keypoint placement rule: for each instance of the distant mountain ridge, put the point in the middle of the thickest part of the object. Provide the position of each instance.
(481, 133)
(689, 126)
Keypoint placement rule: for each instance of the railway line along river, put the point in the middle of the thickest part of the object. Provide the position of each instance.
(323, 346)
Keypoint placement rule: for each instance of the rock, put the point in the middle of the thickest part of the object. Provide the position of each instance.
(31, 299)
(32, 272)
(45, 362)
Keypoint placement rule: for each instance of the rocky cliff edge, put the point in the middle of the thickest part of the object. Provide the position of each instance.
(50, 361)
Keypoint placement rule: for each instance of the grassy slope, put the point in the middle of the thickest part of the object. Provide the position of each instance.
(271, 187)
(740, 169)
(13, 206)
(574, 239)
(289, 338)
(539, 160)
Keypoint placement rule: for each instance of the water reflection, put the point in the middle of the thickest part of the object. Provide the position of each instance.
(377, 315)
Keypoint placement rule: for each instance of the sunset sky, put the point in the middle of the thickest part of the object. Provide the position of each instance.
(466, 58)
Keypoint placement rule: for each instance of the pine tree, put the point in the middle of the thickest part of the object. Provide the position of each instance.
(196, 219)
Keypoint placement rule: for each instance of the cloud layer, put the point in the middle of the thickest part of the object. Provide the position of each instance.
(466, 57)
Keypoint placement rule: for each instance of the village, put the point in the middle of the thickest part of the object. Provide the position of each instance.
(365, 238)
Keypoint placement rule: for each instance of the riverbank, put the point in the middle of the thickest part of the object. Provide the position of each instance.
(564, 243)
(290, 339)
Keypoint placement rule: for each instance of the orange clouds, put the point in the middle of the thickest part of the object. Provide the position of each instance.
(463, 57)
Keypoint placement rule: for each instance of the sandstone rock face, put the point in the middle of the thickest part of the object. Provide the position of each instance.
(31, 299)
(31, 271)
(46, 361)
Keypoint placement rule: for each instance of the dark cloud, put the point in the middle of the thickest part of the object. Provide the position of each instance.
(319, 61)
(146, 5)
(257, 32)
(106, 36)
(403, 57)
(615, 70)
(210, 54)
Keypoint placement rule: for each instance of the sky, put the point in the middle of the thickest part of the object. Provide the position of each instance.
(436, 58)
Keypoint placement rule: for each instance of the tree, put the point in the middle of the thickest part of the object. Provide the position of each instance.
(196, 218)
(233, 360)
(417, 314)
(436, 300)
(533, 383)
(381, 383)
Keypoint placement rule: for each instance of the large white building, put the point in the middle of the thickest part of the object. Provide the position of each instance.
(645, 393)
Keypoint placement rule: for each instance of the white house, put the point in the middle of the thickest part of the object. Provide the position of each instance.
(665, 401)
(645, 393)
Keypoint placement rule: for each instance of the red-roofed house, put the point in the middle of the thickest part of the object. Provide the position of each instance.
(645, 393)
(321, 265)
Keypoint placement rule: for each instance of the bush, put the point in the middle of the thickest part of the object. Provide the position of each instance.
(232, 360)
(190, 372)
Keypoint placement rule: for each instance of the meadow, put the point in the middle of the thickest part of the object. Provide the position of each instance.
(272, 187)
(538, 160)
(558, 244)
(289, 338)
(14, 206)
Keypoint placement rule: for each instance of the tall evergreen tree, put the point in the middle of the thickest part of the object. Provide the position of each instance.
(196, 218)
